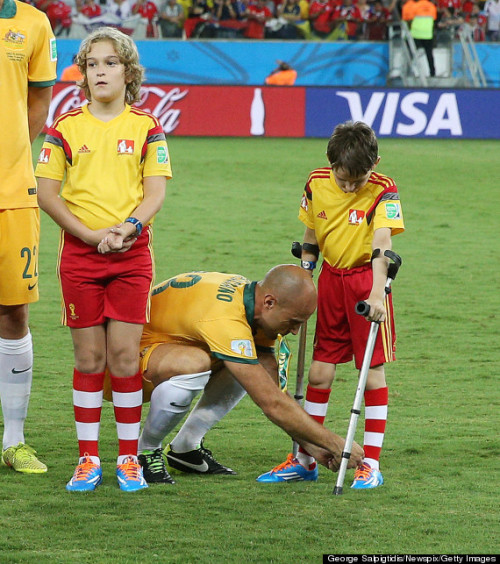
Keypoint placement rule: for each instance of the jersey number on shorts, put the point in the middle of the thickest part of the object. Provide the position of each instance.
(31, 262)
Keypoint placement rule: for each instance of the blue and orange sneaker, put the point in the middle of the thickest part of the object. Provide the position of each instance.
(87, 476)
(289, 471)
(366, 478)
(130, 476)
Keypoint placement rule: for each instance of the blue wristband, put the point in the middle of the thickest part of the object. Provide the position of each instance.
(138, 225)
(308, 264)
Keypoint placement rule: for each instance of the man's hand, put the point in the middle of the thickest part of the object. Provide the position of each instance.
(331, 459)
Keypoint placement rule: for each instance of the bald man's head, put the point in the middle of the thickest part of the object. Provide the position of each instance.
(285, 299)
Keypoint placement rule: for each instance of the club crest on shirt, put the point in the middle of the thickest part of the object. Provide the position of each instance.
(356, 217)
(44, 156)
(243, 347)
(125, 146)
(14, 39)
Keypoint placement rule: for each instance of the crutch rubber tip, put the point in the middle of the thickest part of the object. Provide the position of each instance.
(337, 490)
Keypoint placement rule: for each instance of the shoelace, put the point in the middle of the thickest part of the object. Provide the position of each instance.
(288, 462)
(84, 470)
(363, 472)
(154, 461)
(131, 469)
(207, 453)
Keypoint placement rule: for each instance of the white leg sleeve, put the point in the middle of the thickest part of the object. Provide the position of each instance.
(221, 395)
(170, 401)
(16, 374)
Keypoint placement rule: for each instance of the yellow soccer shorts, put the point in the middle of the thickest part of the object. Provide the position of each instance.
(147, 348)
(19, 244)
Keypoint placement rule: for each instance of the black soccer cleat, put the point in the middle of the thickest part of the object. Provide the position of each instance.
(153, 467)
(200, 461)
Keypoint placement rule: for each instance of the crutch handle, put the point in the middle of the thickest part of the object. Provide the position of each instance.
(296, 250)
(394, 265)
(362, 308)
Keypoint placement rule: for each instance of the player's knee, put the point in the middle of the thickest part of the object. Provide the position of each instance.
(321, 374)
(123, 361)
(14, 321)
(376, 378)
(90, 365)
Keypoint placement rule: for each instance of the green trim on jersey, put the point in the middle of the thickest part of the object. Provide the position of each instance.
(43, 84)
(236, 359)
(249, 301)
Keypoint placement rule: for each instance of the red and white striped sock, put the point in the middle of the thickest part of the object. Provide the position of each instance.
(376, 402)
(87, 403)
(127, 401)
(316, 405)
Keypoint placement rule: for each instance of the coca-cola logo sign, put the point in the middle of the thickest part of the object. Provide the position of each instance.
(211, 110)
(159, 101)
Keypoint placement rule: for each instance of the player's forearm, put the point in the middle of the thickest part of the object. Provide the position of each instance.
(310, 238)
(50, 202)
(38, 109)
(154, 195)
(382, 242)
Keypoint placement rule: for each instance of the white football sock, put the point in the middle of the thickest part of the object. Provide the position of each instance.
(16, 374)
(221, 395)
(170, 401)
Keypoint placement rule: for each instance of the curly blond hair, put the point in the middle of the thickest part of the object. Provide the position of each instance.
(127, 53)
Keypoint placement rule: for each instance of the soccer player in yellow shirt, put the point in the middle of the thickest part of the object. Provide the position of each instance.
(116, 163)
(27, 72)
(350, 213)
(215, 332)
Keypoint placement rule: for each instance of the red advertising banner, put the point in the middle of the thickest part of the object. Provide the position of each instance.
(233, 111)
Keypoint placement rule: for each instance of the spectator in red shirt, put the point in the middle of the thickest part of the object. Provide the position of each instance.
(347, 13)
(89, 8)
(320, 16)
(454, 6)
(257, 14)
(59, 15)
(477, 20)
(377, 26)
(467, 7)
(148, 10)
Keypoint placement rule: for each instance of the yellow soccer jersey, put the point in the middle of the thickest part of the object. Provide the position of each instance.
(209, 310)
(104, 162)
(344, 223)
(27, 57)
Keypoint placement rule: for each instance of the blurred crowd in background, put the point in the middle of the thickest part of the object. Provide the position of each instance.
(334, 20)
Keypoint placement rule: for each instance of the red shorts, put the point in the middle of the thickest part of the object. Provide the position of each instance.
(341, 333)
(98, 287)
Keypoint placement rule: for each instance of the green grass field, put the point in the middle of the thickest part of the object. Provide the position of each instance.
(232, 206)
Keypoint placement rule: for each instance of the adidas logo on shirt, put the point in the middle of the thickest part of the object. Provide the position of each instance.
(84, 149)
(322, 215)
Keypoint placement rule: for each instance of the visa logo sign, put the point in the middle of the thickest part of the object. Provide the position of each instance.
(406, 114)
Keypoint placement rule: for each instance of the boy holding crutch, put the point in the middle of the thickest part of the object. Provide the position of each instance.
(350, 213)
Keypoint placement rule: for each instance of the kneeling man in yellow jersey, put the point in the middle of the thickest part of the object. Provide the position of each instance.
(216, 332)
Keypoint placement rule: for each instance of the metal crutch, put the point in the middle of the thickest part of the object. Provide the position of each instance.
(362, 308)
